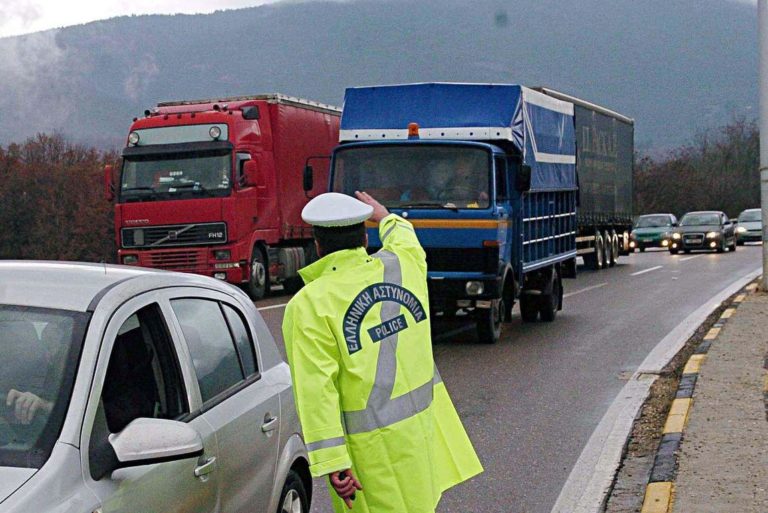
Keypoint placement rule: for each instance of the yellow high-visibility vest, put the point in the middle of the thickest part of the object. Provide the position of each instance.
(368, 394)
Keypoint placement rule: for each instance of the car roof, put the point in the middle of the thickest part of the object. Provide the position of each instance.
(77, 285)
(705, 212)
(654, 215)
(752, 210)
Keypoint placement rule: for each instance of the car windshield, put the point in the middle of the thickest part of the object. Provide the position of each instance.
(653, 222)
(428, 176)
(750, 215)
(39, 349)
(700, 219)
(176, 176)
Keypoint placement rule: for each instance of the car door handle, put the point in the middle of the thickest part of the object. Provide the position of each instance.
(206, 467)
(270, 423)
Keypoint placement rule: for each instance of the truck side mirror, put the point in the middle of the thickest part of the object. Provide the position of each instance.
(523, 178)
(309, 180)
(109, 186)
(250, 177)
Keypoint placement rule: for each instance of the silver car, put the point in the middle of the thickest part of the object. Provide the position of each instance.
(750, 226)
(130, 390)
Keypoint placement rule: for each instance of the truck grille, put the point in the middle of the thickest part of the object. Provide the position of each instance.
(177, 260)
(174, 235)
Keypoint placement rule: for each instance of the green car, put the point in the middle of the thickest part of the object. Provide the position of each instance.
(652, 231)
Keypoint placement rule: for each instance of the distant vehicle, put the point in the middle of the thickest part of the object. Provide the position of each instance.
(750, 226)
(214, 187)
(138, 390)
(709, 230)
(652, 231)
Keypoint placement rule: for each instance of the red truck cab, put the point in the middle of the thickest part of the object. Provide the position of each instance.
(215, 187)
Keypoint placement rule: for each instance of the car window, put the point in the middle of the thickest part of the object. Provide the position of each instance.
(243, 340)
(210, 344)
(143, 376)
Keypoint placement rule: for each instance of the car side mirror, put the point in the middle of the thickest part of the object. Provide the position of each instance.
(309, 180)
(250, 176)
(145, 441)
(109, 185)
(523, 178)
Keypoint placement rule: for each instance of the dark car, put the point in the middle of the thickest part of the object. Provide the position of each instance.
(750, 227)
(708, 230)
(652, 231)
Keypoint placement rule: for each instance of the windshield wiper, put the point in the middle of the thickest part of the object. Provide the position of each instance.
(428, 204)
(195, 186)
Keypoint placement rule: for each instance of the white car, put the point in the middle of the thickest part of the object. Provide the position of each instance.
(131, 390)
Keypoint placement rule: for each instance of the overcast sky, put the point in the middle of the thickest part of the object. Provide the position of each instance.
(24, 16)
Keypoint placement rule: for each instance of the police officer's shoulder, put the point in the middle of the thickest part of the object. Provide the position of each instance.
(333, 209)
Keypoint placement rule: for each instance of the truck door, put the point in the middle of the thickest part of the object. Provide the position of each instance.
(501, 183)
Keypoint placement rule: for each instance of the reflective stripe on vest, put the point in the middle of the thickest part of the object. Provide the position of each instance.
(381, 410)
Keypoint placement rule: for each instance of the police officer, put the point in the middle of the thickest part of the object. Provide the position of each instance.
(376, 417)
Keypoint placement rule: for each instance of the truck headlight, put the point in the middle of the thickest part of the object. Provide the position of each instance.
(676, 236)
(130, 259)
(474, 288)
(222, 254)
(214, 132)
(133, 138)
(713, 235)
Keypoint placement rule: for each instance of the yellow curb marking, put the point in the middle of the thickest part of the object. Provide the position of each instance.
(765, 384)
(752, 287)
(728, 312)
(658, 498)
(739, 298)
(712, 334)
(694, 364)
(677, 416)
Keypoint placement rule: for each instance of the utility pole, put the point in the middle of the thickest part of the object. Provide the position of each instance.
(762, 16)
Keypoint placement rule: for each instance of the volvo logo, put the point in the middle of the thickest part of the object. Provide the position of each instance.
(173, 235)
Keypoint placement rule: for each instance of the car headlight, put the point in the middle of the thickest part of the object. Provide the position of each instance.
(713, 235)
(676, 236)
(741, 229)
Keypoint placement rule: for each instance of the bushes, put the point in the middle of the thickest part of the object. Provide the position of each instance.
(718, 171)
(52, 204)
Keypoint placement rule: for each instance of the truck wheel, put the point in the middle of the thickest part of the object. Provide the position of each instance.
(595, 260)
(489, 322)
(614, 248)
(549, 303)
(258, 281)
(529, 308)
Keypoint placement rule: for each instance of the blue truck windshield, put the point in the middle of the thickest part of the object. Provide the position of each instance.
(416, 176)
(175, 176)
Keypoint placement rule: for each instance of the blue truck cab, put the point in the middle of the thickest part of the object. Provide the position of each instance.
(486, 174)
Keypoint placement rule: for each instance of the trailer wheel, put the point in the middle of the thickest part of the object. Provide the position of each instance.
(607, 251)
(258, 280)
(549, 303)
(595, 261)
(614, 248)
(489, 322)
(529, 308)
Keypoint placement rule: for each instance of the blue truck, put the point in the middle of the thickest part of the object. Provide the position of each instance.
(486, 173)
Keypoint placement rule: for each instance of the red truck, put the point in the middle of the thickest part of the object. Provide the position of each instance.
(216, 187)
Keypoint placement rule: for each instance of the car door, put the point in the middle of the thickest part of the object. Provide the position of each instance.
(140, 373)
(239, 402)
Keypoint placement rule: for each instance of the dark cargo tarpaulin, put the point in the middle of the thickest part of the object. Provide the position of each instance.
(539, 126)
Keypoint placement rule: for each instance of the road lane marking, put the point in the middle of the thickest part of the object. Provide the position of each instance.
(585, 289)
(647, 270)
(271, 307)
(689, 258)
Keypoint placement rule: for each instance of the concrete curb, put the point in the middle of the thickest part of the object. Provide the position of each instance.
(660, 490)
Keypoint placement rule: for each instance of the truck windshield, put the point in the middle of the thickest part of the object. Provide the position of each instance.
(176, 176)
(40, 349)
(416, 176)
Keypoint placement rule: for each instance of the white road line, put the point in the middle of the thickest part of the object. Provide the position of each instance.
(271, 307)
(585, 289)
(647, 270)
(688, 258)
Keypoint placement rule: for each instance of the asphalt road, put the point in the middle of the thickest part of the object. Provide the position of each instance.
(531, 402)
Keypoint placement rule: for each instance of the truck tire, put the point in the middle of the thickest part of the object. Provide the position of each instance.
(488, 322)
(614, 248)
(258, 280)
(550, 303)
(529, 308)
(595, 260)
